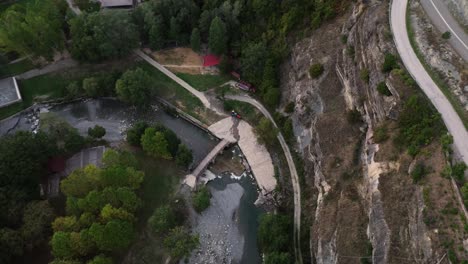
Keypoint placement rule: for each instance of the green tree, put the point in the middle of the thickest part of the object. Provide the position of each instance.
(115, 235)
(180, 243)
(97, 131)
(73, 90)
(274, 233)
(277, 258)
(119, 158)
(65, 224)
(23, 157)
(184, 156)
(91, 86)
(135, 132)
(418, 172)
(201, 199)
(80, 182)
(217, 38)
(102, 35)
(253, 59)
(162, 220)
(134, 87)
(157, 34)
(195, 40)
(266, 131)
(33, 29)
(101, 259)
(155, 144)
(109, 213)
(61, 245)
(116, 176)
(11, 244)
(174, 29)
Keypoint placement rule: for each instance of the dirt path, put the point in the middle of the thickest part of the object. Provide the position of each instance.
(292, 169)
(53, 67)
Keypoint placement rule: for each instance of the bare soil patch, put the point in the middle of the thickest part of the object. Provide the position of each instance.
(183, 60)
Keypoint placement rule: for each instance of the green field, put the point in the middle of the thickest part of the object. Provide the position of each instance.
(173, 92)
(47, 87)
(203, 82)
(16, 68)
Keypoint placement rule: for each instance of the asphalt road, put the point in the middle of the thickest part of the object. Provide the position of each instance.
(416, 69)
(292, 169)
(444, 21)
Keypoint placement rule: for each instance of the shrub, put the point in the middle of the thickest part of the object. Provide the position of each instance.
(289, 108)
(162, 220)
(134, 134)
(96, 131)
(419, 129)
(180, 242)
(390, 63)
(316, 70)
(354, 116)
(458, 171)
(73, 90)
(201, 199)
(184, 156)
(381, 134)
(364, 74)
(350, 51)
(418, 172)
(446, 35)
(91, 86)
(383, 89)
(344, 39)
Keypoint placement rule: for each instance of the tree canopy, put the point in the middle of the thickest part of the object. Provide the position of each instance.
(102, 35)
(34, 29)
(134, 87)
(101, 207)
(217, 40)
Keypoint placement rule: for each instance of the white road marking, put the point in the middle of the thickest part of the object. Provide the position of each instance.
(447, 24)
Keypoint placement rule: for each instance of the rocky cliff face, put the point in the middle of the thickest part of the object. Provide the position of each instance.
(360, 203)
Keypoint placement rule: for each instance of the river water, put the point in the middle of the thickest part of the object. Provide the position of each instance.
(231, 220)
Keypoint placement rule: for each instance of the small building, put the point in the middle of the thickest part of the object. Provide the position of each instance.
(211, 60)
(9, 92)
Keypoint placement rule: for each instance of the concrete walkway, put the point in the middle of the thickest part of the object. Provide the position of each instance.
(408, 56)
(53, 67)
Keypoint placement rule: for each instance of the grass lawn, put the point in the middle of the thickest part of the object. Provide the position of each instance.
(47, 86)
(203, 82)
(247, 111)
(16, 68)
(168, 89)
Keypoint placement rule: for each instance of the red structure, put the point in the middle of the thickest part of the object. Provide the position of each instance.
(56, 164)
(211, 60)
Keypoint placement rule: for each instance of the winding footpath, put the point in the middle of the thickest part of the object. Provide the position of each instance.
(284, 145)
(415, 68)
(292, 169)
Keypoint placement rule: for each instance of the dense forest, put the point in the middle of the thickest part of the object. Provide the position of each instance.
(250, 36)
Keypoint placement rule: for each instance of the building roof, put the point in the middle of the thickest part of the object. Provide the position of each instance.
(211, 60)
(116, 3)
(9, 92)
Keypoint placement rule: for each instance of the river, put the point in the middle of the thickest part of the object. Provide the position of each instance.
(232, 211)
